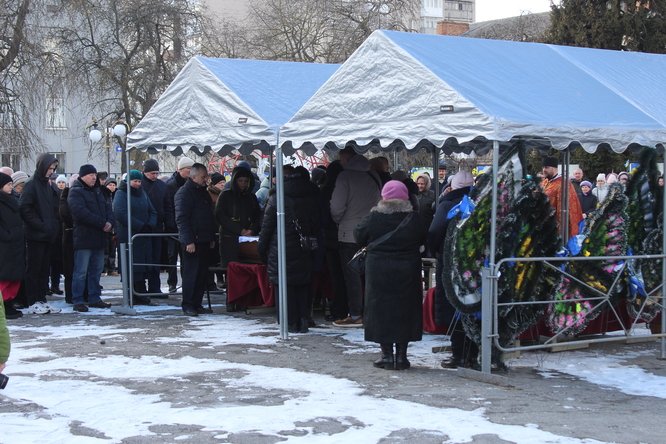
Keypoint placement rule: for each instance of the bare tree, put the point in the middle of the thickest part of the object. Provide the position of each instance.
(13, 19)
(319, 30)
(125, 53)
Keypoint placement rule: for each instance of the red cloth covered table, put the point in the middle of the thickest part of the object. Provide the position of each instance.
(429, 325)
(248, 285)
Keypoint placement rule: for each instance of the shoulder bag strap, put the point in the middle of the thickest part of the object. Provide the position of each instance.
(385, 237)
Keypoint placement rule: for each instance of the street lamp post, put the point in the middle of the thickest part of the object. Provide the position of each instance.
(116, 129)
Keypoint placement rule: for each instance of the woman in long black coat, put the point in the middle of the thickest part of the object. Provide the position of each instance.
(301, 207)
(12, 246)
(393, 288)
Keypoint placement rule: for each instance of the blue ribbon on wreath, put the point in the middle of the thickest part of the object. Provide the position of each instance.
(636, 284)
(464, 208)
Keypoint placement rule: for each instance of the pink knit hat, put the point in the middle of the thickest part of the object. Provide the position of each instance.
(395, 189)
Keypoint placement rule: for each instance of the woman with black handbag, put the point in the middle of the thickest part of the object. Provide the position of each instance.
(302, 224)
(393, 235)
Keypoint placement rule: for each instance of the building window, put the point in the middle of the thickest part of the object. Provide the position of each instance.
(55, 113)
(60, 157)
(11, 160)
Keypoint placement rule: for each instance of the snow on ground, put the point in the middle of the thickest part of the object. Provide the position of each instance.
(87, 399)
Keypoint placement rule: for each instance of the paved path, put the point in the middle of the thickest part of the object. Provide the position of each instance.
(163, 377)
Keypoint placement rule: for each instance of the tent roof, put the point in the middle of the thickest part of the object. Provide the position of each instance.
(405, 89)
(226, 104)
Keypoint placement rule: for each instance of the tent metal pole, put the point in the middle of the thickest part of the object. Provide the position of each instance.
(435, 173)
(282, 251)
(564, 216)
(488, 275)
(663, 262)
(130, 260)
(125, 256)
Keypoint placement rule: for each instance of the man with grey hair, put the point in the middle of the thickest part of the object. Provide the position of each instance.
(196, 233)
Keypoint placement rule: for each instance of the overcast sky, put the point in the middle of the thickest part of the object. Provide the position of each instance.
(495, 9)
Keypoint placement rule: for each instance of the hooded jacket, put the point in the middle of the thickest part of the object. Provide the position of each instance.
(357, 190)
(300, 206)
(172, 186)
(236, 210)
(39, 204)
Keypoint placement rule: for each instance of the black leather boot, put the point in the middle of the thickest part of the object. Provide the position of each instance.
(401, 362)
(386, 361)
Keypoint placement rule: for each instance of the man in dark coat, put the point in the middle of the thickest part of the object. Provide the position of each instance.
(442, 177)
(12, 247)
(39, 210)
(238, 213)
(196, 233)
(176, 181)
(157, 193)
(301, 208)
(93, 219)
(464, 350)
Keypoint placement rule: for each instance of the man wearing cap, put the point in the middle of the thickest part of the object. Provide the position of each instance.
(93, 219)
(553, 190)
(157, 193)
(176, 181)
(39, 210)
(442, 178)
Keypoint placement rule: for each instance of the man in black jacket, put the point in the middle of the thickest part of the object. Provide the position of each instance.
(176, 181)
(39, 210)
(93, 219)
(196, 233)
(157, 193)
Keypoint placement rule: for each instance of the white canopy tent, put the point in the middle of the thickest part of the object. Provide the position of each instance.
(226, 104)
(401, 90)
(223, 105)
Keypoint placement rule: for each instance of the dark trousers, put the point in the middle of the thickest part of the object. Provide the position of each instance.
(339, 307)
(38, 258)
(174, 251)
(462, 347)
(194, 272)
(298, 304)
(353, 283)
(153, 273)
(56, 264)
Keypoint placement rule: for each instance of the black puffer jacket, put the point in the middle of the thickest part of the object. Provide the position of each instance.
(172, 186)
(300, 204)
(157, 192)
(440, 222)
(90, 211)
(39, 204)
(12, 240)
(194, 214)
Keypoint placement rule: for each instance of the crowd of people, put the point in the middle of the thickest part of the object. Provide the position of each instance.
(51, 225)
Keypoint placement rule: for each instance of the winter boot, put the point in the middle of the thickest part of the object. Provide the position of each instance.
(401, 362)
(386, 361)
